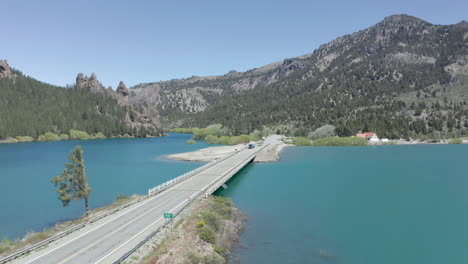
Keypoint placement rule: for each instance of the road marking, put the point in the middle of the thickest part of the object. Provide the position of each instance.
(114, 231)
(149, 200)
(105, 223)
(113, 251)
(146, 228)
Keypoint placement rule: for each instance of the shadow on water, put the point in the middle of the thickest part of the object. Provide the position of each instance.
(234, 181)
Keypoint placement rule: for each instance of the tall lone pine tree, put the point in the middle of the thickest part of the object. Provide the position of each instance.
(72, 183)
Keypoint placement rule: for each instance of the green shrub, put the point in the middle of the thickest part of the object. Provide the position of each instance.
(212, 139)
(49, 136)
(24, 139)
(179, 130)
(122, 197)
(322, 132)
(200, 224)
(456, 141)
(201, 133)
(212, 219)
(340, 141)
(64, 137)
(207, 234)
(223, 252)
(78, 134)
(301, 141)
(99, 135)
(9, 140)
(191, 141)
(223, 206)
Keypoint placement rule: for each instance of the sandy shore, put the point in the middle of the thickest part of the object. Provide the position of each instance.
(207, 154)
(268, 154)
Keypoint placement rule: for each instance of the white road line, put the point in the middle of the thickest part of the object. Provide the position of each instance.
(146, 228)
(105, 223)
(190, 197)
(149, 200)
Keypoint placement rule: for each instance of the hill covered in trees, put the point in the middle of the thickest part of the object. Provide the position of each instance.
(32, 108)
(402, 77)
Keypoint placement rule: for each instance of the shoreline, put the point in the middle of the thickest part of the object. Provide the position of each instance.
(10, 246)
(268, 154)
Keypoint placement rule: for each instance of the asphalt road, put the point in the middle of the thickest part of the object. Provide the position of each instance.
(107, 239)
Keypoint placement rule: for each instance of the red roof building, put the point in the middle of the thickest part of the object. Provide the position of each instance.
(366, 135)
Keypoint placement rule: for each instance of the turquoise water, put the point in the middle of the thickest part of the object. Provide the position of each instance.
(386, 204)
(114, 166)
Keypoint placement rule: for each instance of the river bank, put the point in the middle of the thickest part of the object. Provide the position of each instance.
(205, 232)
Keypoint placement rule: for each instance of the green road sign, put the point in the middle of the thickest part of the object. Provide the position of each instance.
(168, 215)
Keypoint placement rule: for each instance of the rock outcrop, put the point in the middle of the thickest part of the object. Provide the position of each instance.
(122, 89)
(5, 70)
(139, 115)
(91, 83)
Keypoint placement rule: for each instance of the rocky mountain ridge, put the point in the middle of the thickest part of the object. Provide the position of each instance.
(393, 50)
(138, 116)
(5, 71)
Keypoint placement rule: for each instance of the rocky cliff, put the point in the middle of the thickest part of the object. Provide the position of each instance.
(139, 115)
(5, 71)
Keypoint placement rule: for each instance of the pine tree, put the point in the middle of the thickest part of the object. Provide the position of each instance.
(72, 183)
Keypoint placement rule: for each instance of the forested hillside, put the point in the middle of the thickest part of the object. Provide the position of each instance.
(402, 77)
(30, 108)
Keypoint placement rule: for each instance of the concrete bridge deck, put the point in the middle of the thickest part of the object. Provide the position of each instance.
(109, 238)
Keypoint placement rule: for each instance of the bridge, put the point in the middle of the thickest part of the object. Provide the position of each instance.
(112, 238)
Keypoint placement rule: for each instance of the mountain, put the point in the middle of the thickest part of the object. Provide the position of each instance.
(29, 107)
(402, 77)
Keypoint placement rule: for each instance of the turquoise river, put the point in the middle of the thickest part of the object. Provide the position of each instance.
(350, 205)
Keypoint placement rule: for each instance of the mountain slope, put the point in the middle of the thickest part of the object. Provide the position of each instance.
(30, 108)
(401, 77)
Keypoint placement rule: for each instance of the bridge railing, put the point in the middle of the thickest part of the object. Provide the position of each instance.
(187, 175)
(151, 191)
(231, 172)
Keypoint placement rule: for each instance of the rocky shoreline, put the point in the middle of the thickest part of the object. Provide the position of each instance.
(205, 232)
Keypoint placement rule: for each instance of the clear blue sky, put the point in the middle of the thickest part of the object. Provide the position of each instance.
(143, 41)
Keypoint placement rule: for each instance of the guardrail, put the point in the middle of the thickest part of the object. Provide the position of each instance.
(135, 248)
(231, 173)
(228, 174)
(151, 191)
(68, 231)
(41, 244)
(187, 175)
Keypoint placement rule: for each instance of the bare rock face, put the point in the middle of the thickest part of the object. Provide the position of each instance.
(91, 83)
(463, 24)
(5, 71)
(122, 89)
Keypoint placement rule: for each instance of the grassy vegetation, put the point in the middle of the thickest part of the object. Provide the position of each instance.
(230, 140)
(191, 141)
(179, 130)
(301, 141)
(24, 139)
(77, 134)
(212, 222)
(218, 134)
(49, 136)
(340, 141)
(456, 141)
